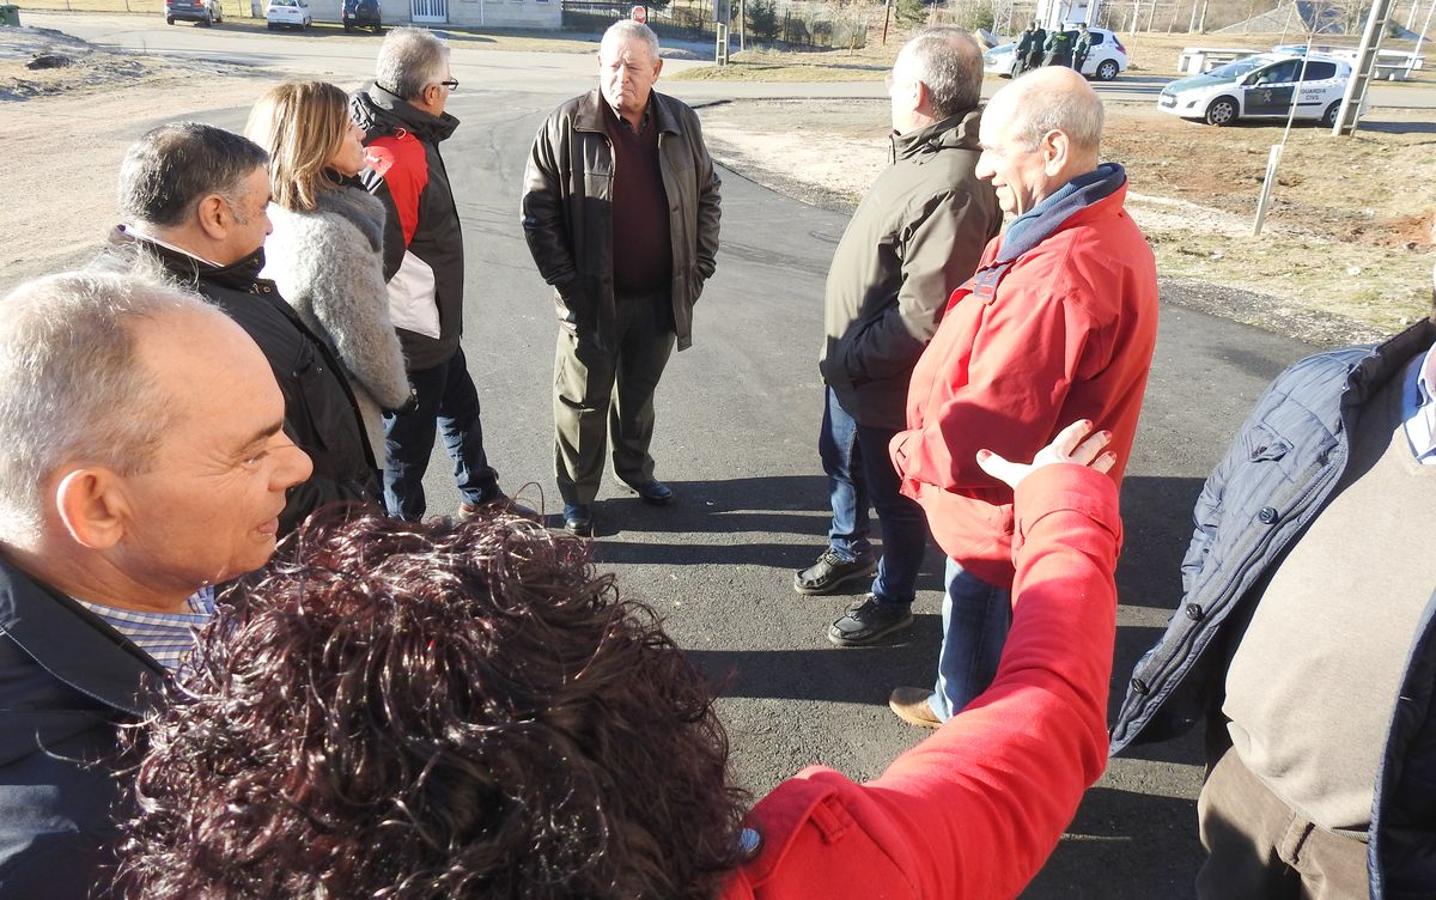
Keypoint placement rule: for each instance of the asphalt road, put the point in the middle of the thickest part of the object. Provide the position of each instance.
(738, 418)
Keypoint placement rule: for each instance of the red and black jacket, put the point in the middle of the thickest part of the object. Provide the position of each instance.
(423, 241)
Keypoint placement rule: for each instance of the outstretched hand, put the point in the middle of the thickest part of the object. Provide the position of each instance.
(1072, 445)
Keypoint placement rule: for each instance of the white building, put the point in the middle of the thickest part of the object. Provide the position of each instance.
(1056, 13)
(464, 13)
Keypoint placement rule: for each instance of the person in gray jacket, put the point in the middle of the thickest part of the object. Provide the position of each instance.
(326, 252)
(619, 161)
(1305, 637)
(917, 236)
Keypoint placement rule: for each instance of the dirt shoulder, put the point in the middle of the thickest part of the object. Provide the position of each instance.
(67, 129)
(1345, 254)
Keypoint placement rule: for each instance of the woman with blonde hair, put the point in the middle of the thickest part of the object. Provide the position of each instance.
(327, 248)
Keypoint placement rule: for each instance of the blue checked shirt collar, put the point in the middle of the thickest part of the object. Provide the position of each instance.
(166, 637)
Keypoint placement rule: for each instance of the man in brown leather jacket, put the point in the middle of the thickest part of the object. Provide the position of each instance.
(619, 160)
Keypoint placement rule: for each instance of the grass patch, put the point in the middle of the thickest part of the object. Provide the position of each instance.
(745, 71)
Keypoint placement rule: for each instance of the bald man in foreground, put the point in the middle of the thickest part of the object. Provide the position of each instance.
(1057, 324)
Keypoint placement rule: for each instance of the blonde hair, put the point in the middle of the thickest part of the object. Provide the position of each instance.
(302, 124)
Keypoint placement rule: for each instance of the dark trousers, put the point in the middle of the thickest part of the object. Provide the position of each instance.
(1079, 59)
(1261, 849)
(860, 472)
(447, 398)
(604, 391)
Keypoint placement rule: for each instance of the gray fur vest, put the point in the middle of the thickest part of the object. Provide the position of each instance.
(328, 264)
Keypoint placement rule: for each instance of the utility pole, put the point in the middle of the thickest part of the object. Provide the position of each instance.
(1411, 65)
(1364, 71)
(1274, 159)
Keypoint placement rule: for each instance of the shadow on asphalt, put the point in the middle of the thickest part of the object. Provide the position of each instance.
(1124, 846)
(850, 675)
(1398, 127)
(1157, 526)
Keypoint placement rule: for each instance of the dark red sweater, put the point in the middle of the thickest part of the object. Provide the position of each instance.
(642, 252)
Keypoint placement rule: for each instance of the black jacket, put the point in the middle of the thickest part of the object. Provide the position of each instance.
(437, 240)
(916, 237)
(320, 413)
(67, 681)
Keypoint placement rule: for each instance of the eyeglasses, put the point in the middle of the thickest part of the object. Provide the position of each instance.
(452, 84)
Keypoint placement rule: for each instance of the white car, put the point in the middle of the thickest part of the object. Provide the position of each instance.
(287, 14)
(1261, 87)
(1107, 59)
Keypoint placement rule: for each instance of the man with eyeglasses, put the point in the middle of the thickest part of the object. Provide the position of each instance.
(194, 201)
(620, 210)
(404, 121)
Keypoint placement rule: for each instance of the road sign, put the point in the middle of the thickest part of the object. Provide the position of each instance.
(639, 14)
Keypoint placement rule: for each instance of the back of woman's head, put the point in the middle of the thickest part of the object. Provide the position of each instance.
(432, 710)
(301, 124)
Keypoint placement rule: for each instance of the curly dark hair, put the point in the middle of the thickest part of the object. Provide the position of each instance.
(405, 710)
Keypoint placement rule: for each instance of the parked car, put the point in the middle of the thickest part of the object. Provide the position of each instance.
(205, 12)
(287, 14)
(1107, 60)
(1261, 87)
(362, 14)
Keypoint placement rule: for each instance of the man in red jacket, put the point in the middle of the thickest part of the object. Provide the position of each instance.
(1057, 324)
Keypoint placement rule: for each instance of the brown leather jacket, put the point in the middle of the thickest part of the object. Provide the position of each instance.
(568, 221)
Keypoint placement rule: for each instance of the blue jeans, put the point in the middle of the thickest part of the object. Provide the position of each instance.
(447, 398)
(975, 619)
(855, 458)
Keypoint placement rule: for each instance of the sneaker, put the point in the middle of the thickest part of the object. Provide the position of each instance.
(910, 704)
(831, 571)
(868, 621)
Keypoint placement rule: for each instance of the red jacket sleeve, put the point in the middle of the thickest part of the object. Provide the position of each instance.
(401, 161)
(975, 810)
(1023, 362)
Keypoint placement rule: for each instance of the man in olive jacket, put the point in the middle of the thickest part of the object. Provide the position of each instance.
(915, 238)
(619, 160)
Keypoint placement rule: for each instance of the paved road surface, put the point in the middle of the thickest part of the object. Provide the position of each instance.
(738, 415)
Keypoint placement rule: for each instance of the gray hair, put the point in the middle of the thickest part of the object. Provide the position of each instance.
(72, 387)
(949, 62)
(625, 30)
(410, 59)
(171, 168)
(1079, 115)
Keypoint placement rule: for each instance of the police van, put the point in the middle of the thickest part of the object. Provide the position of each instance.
(1261, 87)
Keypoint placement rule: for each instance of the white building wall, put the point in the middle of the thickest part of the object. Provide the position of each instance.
(538, 14)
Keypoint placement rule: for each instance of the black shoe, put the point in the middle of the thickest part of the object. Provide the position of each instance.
(652, 492)
(868, 621)
(830, 571)
(578, 519)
